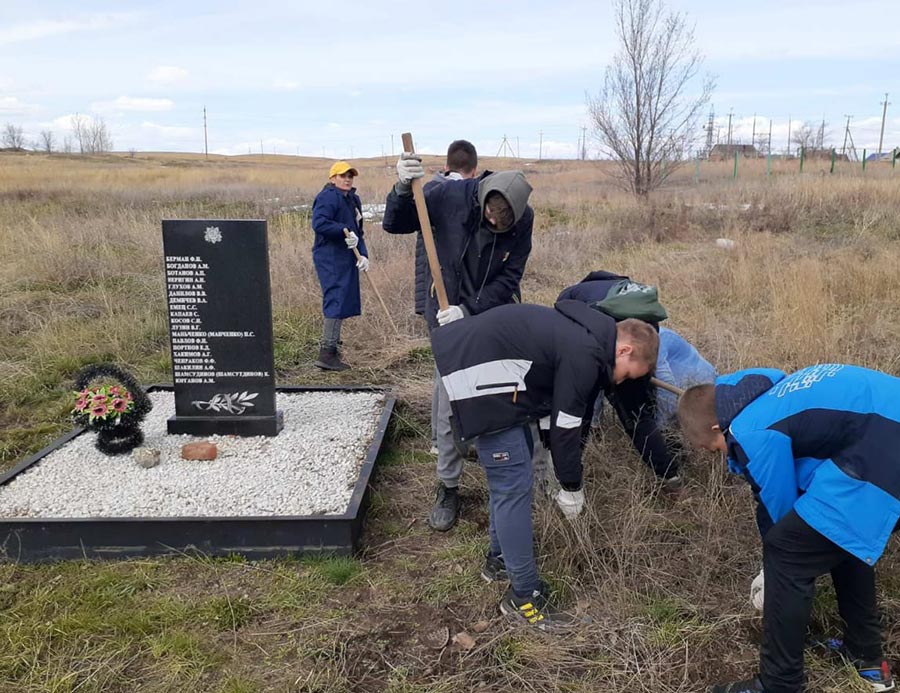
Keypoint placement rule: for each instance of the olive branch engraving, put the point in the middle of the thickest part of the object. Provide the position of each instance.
(236, 403)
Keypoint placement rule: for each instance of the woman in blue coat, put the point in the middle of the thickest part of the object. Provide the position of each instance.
(336, 208)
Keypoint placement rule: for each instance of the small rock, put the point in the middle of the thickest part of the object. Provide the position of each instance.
(202, 450)
(481, 626)
(464, 640)
(146, 457)
(438, 638)
(725, 243)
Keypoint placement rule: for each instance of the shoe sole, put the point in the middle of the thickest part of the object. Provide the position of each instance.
(496, 578)
(325, 367)
(443, 529)
(880, 687)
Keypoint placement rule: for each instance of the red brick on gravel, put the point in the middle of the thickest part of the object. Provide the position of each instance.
(202, 450)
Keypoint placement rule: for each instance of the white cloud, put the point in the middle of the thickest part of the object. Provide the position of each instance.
(12, 105)
(65, 122)
(167, 74)
(44, 28)
(285, 85)
(131, 103)
(176, 132)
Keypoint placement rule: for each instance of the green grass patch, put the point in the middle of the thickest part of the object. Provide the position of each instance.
(453, 587)
(336, 570)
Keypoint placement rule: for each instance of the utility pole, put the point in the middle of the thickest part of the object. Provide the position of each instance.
(846, 132)
(518, 151)
(730, 114)
(540, 144)
(205, 139)
(769, 145)
(261, 152)
(505, 147)
(583, 142)
(885, 103)
(753, 136)
(392, 145)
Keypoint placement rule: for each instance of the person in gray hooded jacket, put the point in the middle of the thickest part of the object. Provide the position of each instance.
(482, 231)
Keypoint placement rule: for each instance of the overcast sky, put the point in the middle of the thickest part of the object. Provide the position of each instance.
(338, 78)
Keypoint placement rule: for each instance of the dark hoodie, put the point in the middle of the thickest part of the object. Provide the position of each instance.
(481, 269)
(521, 363)
(634, 401)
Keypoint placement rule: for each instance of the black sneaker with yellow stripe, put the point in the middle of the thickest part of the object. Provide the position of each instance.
(535, 610)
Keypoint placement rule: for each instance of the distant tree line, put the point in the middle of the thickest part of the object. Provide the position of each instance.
(89, 136)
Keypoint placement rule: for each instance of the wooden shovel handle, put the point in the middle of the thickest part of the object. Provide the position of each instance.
(430, 250)
(665, 386)
(354, 248)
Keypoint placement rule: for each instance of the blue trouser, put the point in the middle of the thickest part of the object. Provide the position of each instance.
(506, 458)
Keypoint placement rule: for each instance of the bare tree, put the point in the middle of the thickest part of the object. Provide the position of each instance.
(805, 136)
(92, 135)
(67, 145)
(47, 141)
(645, 115)
(80, 130)
(99, 137)
(13, 137)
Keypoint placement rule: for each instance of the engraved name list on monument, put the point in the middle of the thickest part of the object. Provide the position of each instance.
(220, 322)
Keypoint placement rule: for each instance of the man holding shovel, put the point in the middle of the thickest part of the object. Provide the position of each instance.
(482, 235)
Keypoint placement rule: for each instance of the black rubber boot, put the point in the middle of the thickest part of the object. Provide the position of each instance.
(446, 508)
(329, 360)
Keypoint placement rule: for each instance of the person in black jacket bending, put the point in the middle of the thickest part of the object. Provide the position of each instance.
(482, 232)
(515, 365)
(634, 401)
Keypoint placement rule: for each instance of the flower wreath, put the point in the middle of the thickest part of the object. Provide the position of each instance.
(114, 411)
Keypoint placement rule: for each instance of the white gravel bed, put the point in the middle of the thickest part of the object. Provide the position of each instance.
(310, 468)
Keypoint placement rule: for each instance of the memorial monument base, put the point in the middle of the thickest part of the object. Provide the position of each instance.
(244, 426)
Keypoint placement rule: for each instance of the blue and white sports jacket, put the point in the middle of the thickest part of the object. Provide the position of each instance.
(824, 441)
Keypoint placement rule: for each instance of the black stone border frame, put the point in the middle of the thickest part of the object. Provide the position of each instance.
(35, 540)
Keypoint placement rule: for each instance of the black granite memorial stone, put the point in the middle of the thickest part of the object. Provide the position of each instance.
(220, 323)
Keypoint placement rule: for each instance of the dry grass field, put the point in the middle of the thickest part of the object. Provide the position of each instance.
(813, 277)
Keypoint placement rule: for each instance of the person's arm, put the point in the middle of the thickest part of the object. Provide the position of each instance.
(633, 401)
(765, 459)
(502, 287)
(572, 386)
(324, 218)
(400, 214)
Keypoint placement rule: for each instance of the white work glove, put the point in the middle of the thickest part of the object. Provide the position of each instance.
(362, 264)
(409, 166)
(453, 313)
(351, 239)
(757, 591)
(570, 502)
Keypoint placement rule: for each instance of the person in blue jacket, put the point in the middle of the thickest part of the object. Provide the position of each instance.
(681, 365)
(337, 207)
(821, 451)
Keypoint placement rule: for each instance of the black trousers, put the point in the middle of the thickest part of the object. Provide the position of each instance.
(794, 555)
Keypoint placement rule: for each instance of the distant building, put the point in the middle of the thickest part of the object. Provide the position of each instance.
(885, 156)
(721, 152)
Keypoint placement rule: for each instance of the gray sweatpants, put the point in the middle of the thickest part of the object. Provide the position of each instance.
(451, 455)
